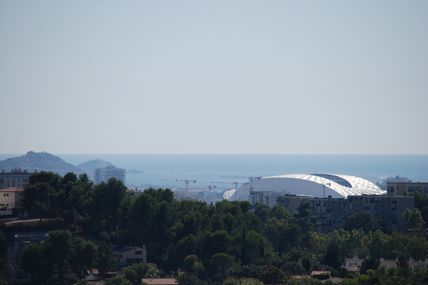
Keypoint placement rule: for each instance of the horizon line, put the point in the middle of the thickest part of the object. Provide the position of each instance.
(217, 153)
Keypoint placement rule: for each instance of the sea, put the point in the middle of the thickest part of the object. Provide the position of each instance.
(225, 171)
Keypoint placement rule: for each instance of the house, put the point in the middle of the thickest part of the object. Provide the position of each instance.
(321, 275)
(130, 255)
(417, 264)
(159, 281)
(10, 199)
(388, 263)
(352, 264)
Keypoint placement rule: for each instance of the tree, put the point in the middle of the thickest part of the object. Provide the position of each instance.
(192, 264)
(34, 262)
(58, 250)
(303, 217)
(272, 275)
(242, 281)
(362, 221)
(279, 213)
(3, 250)
(105, 207)
(337, 248)
(221, 265)
(38, 200)
(212, 243)
(104, 259)
(82, 256)
(414, 220)
(185, 278)
(135, 272)
(262, 212)
(61, 253)
(118, 280)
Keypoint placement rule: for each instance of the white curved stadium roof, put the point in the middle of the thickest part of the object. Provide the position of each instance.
(316, 185)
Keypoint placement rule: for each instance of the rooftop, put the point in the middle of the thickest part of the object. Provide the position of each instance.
(160, 281)
(12, 189)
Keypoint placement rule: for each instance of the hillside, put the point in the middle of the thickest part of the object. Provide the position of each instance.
(90, 166)
(32, 161)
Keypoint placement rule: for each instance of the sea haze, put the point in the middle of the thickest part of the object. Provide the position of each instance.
(170, 170)
(222, 170)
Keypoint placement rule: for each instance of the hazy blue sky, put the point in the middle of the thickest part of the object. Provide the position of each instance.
(214, 76)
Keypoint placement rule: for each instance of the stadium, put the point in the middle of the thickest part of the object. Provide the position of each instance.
(314, 185)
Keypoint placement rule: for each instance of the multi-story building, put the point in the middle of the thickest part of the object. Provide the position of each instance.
(9, 200)
(268, 198)
(14, 178)
(104, 174)
(386, 208)
(292, 202)
(330, 213)
(404, 186)
(15, 249)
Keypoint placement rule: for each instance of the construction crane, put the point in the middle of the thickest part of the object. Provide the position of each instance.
(210, 187)
(235, 184)
(187, 182)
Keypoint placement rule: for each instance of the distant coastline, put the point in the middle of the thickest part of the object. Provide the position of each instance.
(222, 170)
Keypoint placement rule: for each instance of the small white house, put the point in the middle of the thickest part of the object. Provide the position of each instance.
(353, 264)
(417, 264)
(131, 254)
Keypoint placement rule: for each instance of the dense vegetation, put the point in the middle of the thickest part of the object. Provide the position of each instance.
(225, 243)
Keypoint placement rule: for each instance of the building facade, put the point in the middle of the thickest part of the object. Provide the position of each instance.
(15, 249)
(331, 213)
(292, 202)
(404, 186)
(268, 198)
(10, 199)
(14, 178)
(386, 208)
(130, 255)
(104, 174)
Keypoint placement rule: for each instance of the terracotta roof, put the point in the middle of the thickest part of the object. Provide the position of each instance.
(160, 281)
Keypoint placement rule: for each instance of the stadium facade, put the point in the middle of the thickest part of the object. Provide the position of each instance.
(312, 185)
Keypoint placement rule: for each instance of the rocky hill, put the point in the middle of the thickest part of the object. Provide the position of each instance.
(90, 166)
(39, 161)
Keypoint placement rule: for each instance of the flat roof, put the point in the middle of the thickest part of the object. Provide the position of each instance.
(12, 189)
(160, 281)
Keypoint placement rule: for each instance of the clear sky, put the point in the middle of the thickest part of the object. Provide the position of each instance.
(214, 76)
